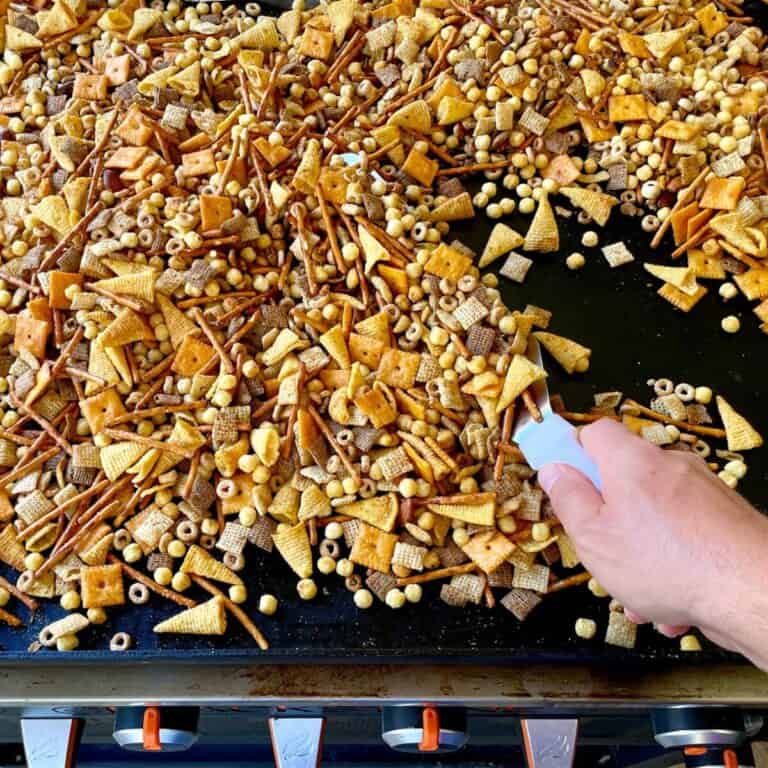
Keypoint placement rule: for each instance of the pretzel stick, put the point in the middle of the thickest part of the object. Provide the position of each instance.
(329, 436)
(26, 468)
(571, 581)
(33, 605)
(151, 584)
(235, 610)
(440, 573)
(10, 619)
(630, 405)
(131, 437)
(43, 422)
(158, 410)
(226, 363)
(54, 513)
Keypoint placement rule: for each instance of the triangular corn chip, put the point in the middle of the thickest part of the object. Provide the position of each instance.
(96, 553)
(119, 361)
(178, 324)
(477, 514)
(452, 110)
(314, 503)
(100, 365)
(200, 562)
(142, 468)
(185, 435)
(740, 434)
(284, 507)
(53, 212)
(158, 79)
(140, 284)
(571, 355)
(209, 618)
(293, 544)
(143, 20)
(682, 278)
(502, 240)
(731, 227)
(126, 328)
(56, 21)
(374, 251)
(307, 174)
(187, 80)
(543, 235)
(289, 26)
(379, 511)
(262, 35)
(341, 14)
(18, 40)
(336, 346)
(661, 43)
(454, 209)
(597, 205)
(520, 375)
(415, 116)
(285, 343)
(117, 457)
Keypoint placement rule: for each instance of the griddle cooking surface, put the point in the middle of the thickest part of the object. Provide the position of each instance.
(635, 335)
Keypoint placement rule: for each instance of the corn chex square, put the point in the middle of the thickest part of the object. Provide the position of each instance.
(351, 530)
(233, 538)
(428, 369)
(480, 339)
(728, 165)
(520, 603)
(535, 578)
(451, 554)
(394, 463)
(409, 556)
(521, 559)
(516, 267)
(381, 583)
(617, 254)
(86, 455)
(470, 312)
(534, 122)
(621, 631)
(503, 576)
(200, 498)
(159, 560)
(530, 503)
(260, 533)
(33, 506)
(26, 484)
(149, 529)
(453, 596)
(470, 585)
(568, 554)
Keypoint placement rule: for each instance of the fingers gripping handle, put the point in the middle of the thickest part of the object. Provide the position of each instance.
(555, 441)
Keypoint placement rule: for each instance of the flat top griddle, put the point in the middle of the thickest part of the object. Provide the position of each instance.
(634, 335)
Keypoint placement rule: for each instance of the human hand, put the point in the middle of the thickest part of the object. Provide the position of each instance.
(667, 538)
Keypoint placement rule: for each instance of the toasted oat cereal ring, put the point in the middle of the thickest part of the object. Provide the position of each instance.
(686, 392)
(663, 387)
(345, 437)
(25, 581)
(121, 641)
(467, 283)
(226, 489)
(702, 449)
(353, 582)
(234, 561)
(187, 531)
(138, 593)
(122, 539)
(207, 542)
(330, 548)
(47, 638)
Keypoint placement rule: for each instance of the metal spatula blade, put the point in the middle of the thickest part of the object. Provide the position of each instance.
(552, 440)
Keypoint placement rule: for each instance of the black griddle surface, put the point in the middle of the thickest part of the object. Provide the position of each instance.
(634, 335)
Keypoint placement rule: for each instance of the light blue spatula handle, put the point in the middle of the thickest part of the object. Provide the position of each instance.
(555, 441)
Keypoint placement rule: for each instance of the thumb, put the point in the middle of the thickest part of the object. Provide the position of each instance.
(573, 496)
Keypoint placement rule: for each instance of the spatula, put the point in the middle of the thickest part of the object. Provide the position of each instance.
(553, 439)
